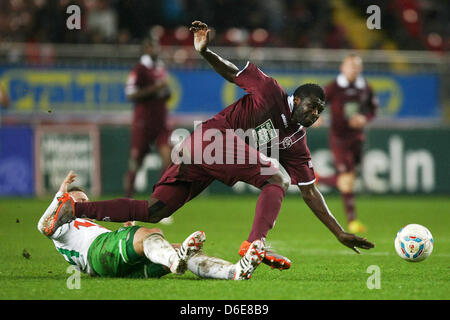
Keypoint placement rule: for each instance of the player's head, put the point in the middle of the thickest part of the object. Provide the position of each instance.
(151, 47)
(351, 67)
(309, 102)
(78, 194)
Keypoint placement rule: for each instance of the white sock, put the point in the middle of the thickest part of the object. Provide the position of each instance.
(159, 250)
(211, 267)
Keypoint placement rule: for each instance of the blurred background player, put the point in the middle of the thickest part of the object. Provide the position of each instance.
(147, 87)
(134, 251)
(4, 100)
(352, 105)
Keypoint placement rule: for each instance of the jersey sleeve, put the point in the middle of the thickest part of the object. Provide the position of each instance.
(371, 105)
(135, 81)
(253, 80)
(131, 86)
(329, 91)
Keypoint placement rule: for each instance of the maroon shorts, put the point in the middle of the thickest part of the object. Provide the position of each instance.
(148, 129)
(215, 159)
(347, 153)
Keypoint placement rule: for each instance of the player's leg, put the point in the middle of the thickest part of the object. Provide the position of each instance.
(347, 159)
(152, 244)
(134, 164)
(267, 209)
(116, 210)
(168, 196)
(164, 149)
(178, 185)
(345, 185)
(328, 180)
(264, 173)
(269, 203)
(139, 147)
(216, 268)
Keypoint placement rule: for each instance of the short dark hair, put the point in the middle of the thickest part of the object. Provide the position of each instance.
(75, 188)
(310, 90)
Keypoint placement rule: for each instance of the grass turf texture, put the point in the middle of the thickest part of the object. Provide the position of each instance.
(321, 267)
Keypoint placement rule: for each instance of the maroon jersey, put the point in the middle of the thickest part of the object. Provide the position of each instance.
(145, 74)
(266, 109)
(347, 99)
(149, 123)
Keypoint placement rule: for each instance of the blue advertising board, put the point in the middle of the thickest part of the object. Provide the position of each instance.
(195, 91)
(16, 161)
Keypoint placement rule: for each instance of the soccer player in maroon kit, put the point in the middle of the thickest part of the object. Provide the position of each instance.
(148, 89)
(352, 106)
(274, 116)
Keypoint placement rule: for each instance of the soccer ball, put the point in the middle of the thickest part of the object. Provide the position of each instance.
(414, 243)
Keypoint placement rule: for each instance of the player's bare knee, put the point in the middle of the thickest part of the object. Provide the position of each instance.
(345, 182)
(143, 233)
(281, 179)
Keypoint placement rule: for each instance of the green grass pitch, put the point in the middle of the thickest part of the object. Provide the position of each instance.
(321, 267)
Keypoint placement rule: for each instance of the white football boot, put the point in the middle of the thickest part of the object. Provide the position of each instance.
(250, 261)
(190, 246)
(60, 211)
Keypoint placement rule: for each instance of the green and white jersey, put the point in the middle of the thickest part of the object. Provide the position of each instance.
(73, 240)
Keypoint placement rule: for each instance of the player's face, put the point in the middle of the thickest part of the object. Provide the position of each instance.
(152, 50)
(79, 196)
(307, 110)
(351, 67)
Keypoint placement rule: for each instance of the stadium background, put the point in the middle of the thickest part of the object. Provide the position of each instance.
(68, 108)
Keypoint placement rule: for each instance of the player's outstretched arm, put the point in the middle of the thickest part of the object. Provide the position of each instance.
(316, 202)
(201, 39)
(67, 181)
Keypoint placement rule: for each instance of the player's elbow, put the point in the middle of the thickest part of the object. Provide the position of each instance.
(230, 76)
(281, 179)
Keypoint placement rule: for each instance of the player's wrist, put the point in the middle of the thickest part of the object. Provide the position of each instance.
(339, 233)
(204, 50)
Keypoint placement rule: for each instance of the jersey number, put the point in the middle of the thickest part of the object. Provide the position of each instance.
(77, 224)
(69, 254)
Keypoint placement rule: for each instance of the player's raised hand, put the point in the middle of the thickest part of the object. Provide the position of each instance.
(353, 241)
(67, 181)
(201, 35)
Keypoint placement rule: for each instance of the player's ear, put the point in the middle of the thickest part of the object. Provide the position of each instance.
(297, 100)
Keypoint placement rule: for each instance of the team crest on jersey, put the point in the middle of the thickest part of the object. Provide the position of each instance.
(287, 142)
(265, 132)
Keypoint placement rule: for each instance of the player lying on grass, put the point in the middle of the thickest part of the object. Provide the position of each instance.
(134, 251)
(277, 120)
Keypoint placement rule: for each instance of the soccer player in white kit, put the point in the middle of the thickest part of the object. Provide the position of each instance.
(133, 251)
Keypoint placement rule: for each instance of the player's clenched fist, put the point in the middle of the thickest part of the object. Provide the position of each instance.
(201, 35)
